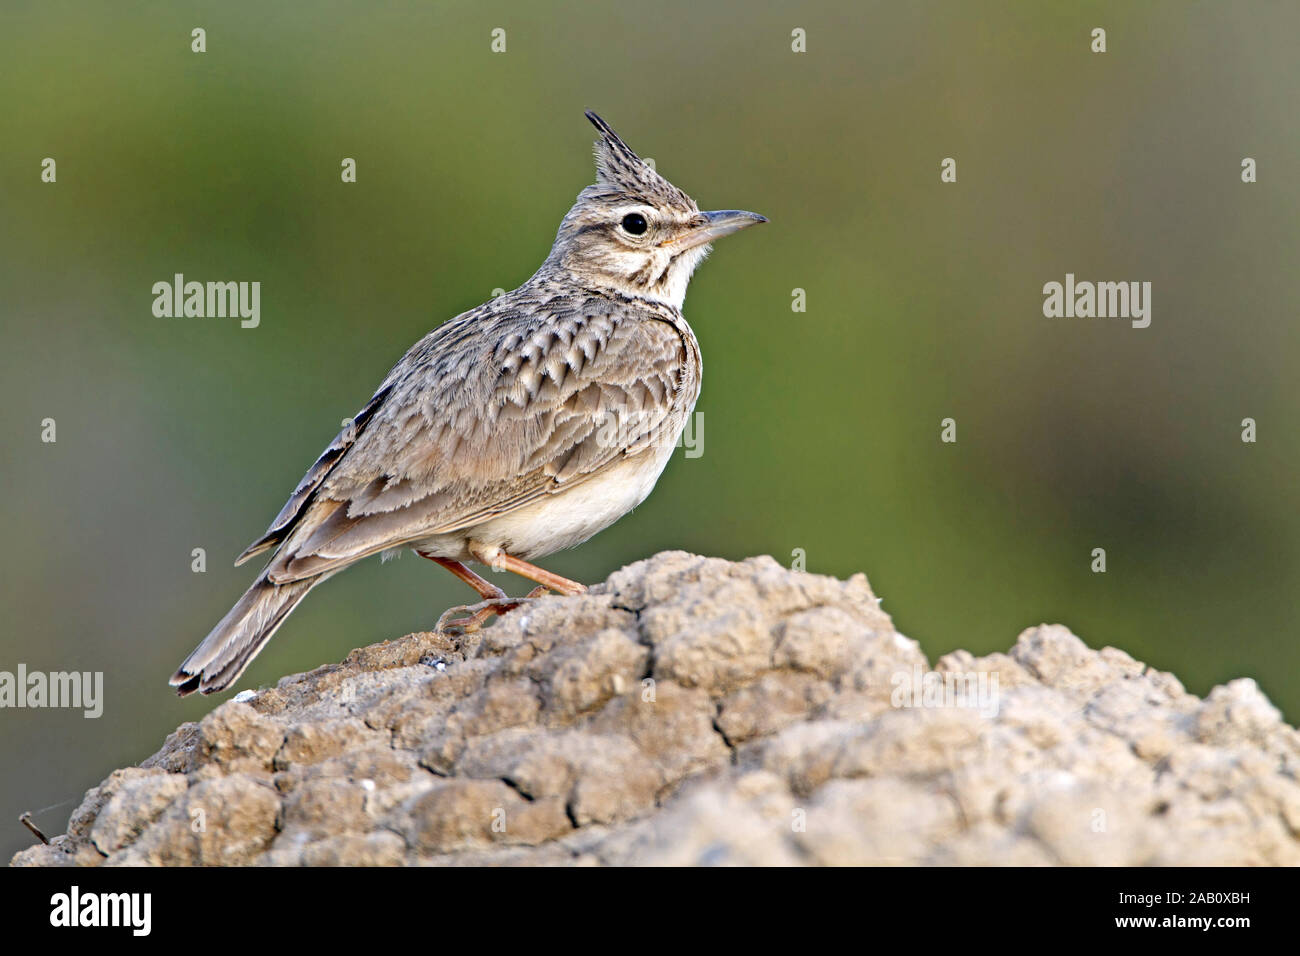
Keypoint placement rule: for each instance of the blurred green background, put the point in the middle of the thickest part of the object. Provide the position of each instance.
(821, 429)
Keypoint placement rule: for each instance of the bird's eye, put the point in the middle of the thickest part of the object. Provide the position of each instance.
(634, 223)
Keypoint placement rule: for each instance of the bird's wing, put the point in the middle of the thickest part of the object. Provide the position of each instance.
(488, 413)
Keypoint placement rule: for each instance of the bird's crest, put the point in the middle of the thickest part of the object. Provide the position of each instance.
(619, 170)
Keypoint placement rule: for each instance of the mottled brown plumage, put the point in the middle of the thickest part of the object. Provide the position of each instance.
(517, 429)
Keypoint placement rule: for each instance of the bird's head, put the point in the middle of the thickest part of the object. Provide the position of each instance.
(635, 232)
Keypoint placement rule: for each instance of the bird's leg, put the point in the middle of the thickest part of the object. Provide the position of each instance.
(495, 601)
(499, 560)
(547, 579)
(485, 588)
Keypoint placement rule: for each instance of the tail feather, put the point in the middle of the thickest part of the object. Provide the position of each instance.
(238, 637)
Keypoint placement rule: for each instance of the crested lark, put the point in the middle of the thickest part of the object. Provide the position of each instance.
(517, 429)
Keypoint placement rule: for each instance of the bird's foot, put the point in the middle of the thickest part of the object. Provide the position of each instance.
(476, 615)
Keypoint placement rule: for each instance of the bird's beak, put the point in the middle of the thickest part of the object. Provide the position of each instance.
(715, 225)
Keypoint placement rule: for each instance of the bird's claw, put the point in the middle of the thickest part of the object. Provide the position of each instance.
(478, 614)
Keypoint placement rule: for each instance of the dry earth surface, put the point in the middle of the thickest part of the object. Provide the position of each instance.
(693, 710)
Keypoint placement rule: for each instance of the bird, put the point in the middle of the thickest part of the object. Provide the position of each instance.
(515, 430)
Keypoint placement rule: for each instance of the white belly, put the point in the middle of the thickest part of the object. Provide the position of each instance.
(562, 520)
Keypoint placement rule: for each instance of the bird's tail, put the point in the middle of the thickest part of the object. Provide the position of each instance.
(238, 637)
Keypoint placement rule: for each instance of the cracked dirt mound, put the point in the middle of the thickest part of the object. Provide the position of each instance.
(696, 711)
